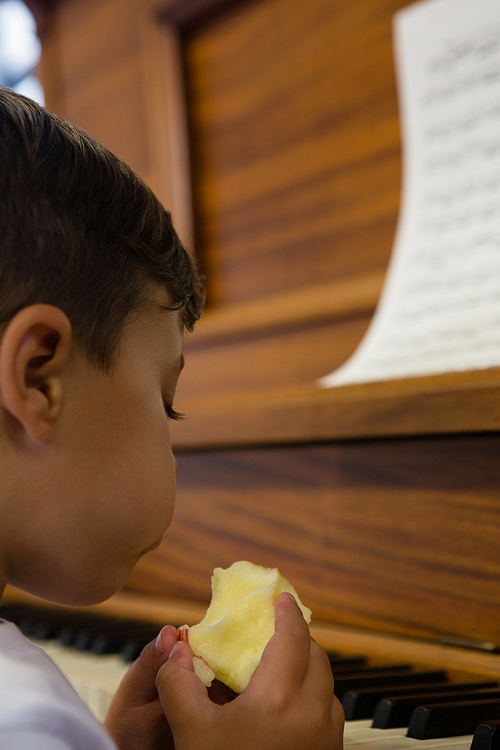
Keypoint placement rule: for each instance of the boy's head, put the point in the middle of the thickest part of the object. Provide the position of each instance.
(81, 231)
(95, 294)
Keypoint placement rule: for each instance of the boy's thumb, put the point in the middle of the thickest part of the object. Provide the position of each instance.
(181, 691)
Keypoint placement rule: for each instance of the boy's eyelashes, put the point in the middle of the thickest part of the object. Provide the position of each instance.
(171, 412)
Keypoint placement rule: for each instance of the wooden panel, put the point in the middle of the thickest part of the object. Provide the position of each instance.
(449, 403)
(397, 535)
(307, 304)
(115, 69)
(295, 143)
(246, 364)
(100, 59)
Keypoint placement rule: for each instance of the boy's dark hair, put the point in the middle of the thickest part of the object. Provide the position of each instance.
(81, 231)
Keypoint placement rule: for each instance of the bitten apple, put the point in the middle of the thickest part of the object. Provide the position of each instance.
(229, 641)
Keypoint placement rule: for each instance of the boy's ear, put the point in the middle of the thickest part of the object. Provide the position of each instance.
(34, 350)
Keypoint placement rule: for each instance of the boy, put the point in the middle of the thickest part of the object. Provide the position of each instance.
(95, 294)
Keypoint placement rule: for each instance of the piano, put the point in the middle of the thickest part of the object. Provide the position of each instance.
(388, 705)
(272, 127)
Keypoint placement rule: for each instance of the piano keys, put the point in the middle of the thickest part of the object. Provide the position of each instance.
(362, 704)
(397, 711)
(95, 678)
(397, 675)
(447, 719)
(362, 734)
(94, 652)
(487, 736)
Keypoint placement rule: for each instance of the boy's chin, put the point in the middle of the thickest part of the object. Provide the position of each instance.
(84, 594)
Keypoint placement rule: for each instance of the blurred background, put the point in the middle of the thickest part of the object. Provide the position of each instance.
(19, 50)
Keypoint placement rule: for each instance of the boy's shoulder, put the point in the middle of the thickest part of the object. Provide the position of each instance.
(38, 706)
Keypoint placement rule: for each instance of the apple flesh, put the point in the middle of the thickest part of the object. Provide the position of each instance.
(228, 643)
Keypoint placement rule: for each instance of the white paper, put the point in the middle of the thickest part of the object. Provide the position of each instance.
(440, 308)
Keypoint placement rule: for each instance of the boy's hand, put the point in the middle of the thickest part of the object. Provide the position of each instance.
(135, 719)
(289, 701)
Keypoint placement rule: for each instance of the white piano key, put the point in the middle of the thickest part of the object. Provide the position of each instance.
(95, 678)
(362, 735)
(408, 743)
(356, 726)
(354, 734)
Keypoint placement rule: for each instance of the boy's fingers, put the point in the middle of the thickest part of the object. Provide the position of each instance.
(166, 640)
(181, 691)
(138, 686)
(338, 716)
(286, 656)
(319, 683)
(338, 721)
(319, 677)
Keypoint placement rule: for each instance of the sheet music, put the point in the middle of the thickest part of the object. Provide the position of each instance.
(440, 308)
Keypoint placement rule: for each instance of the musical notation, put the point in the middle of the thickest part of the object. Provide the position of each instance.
(440, 308)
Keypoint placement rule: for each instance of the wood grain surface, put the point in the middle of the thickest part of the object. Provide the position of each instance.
(439, 404)
(396, 535)
(295, 143)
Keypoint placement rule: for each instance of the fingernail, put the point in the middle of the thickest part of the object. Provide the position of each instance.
(159, 645)
(175, 649)
(290, 597)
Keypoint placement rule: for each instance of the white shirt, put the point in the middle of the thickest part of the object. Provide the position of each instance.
(39, 710)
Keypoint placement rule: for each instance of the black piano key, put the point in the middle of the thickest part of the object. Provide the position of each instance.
(45, 624)
(451, 719)
(400, 677)
(41, 630)
(362, 670)
(113, 642)
(361, 704)
(396, 711)
(68, 634)
(87, 635)
(88, 628)
(347, 664)
(487, 736)
(132, 648)
(87, 631)
(19, 614)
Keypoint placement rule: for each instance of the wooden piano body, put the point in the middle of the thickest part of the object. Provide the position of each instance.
(274, 124)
